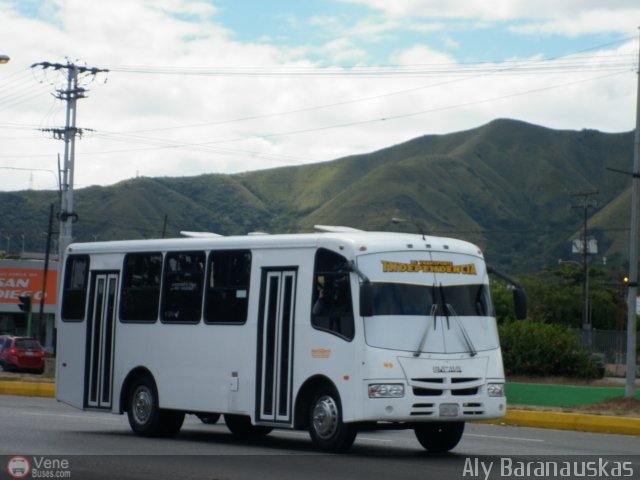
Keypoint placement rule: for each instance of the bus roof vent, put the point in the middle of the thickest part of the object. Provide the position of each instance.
(199, 234)
(253, 234)
(334, 229)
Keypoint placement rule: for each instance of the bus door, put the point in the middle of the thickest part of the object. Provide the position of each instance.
(275, 344)
(100, 340)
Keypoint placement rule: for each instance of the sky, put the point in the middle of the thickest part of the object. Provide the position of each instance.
(191, 87)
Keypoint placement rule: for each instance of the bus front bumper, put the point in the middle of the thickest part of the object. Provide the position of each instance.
(415, 406)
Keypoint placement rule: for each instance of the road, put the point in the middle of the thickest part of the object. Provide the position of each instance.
(99, 445)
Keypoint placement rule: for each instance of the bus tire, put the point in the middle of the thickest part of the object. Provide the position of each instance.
(240, 426)
(439, 437)
(327, 430)
(145, 417)
(171, 422)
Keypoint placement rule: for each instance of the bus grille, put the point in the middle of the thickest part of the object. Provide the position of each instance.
(456, 386)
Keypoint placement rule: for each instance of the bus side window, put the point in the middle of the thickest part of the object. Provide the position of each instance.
(140, 295)
(332, 307)
(182, 287)
(227, 292)
(74, 296)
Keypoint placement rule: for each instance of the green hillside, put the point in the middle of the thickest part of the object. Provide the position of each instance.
(505, 186)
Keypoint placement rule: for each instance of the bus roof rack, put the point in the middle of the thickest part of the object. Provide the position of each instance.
(199, 234)
(335, 229)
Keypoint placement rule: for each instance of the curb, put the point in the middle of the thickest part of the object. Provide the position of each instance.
(571, 421)
(525, 418)
(28, 389)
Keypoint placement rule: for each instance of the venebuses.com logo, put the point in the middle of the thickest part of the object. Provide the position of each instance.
(18, 467)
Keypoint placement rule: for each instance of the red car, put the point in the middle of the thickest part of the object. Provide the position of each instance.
(22, 353)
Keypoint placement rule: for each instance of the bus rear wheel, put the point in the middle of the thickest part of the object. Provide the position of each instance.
(145, 417)
(326, 428)
(240, 426)
(439, 437)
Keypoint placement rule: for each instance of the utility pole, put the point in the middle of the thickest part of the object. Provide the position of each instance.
(630, 378)
(67, 216)
(585, 204)
(41, 324)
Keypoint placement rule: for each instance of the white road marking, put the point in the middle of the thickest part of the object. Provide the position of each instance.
(306, 434)
(102, 417)
(504, 438)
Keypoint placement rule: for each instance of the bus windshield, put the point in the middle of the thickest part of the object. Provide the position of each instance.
(408, 299)
(430, 318)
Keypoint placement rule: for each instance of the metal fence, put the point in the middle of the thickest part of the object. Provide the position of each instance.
(611, 343)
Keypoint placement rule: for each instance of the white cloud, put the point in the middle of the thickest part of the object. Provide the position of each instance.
(170, 124)
(598, 20)
(546, 16)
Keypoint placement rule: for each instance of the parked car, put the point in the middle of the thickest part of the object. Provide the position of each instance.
(22, 354)
(3, 339)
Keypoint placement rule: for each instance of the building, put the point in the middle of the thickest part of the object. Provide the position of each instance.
(19, 278)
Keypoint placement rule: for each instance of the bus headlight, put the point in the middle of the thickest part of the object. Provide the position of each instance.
(495, 389)
(386, 390)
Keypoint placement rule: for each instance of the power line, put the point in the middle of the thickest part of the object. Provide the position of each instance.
(564, 63)
(347, 124)
(165, 143)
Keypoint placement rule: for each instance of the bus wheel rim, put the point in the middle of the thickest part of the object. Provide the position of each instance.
(325, 417)
(142, 405)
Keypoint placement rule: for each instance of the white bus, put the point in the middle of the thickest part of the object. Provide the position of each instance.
(334, 332)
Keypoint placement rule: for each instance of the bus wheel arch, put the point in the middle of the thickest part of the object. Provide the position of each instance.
(126, 385)
(320, 403)
(142, 404)
(305, 396)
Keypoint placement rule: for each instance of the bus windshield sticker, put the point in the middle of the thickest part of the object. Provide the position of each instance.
(428, 266)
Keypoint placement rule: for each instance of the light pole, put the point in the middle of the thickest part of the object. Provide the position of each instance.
(584, 250)
(585, 290)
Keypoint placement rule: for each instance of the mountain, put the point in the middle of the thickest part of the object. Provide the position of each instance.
(506, 186)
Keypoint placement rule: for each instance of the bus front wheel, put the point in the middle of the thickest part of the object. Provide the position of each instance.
(145, 417)
(439, 437)
(326, 428)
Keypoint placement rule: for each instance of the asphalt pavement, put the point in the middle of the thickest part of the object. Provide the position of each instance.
(523, 415)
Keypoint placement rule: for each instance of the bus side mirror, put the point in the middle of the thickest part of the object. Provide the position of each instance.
(520, 303)
(519, 297)
(366, 299)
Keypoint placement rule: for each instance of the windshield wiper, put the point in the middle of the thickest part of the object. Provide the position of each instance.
(472, 350)
(445, 305)
(432, 313)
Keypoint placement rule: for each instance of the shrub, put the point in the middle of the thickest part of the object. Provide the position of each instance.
(541, 349)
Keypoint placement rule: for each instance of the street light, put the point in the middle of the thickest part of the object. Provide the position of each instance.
(4, 58)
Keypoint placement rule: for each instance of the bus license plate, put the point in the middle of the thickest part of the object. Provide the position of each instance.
(449, 410)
